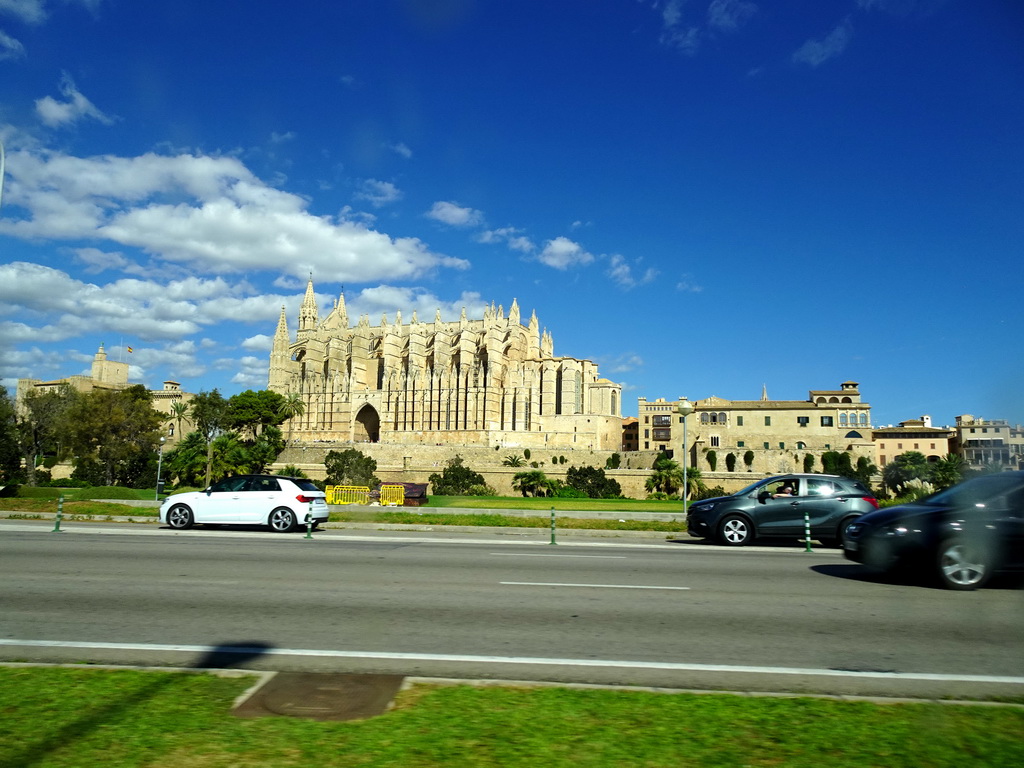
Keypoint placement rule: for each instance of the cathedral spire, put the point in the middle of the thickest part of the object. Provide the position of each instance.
(308, 312)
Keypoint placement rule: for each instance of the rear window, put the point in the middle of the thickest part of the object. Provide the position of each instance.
(304, 484)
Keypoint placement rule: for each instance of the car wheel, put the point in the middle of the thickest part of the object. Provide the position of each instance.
(282, 520)
(962, 565)
(180, 517)
(840, 534)
(735, 531)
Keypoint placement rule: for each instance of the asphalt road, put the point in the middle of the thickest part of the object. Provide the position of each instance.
(679, 615)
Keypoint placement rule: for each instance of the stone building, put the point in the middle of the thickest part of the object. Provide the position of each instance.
(491, 382)
(776, 435)
(104, 374)
(989, 442)
(918, 435)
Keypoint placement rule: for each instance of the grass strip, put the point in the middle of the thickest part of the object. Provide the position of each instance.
(505, 521)
(82, 717)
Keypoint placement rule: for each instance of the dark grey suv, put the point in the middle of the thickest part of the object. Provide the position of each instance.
(777, 506)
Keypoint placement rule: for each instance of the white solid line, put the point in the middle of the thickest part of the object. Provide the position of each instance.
(599, 586)
(668, 665)
(530, 554)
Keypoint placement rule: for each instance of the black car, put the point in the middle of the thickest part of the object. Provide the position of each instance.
(781, 506)
(961, 535)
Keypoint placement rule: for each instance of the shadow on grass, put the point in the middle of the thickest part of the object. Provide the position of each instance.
(120, 708)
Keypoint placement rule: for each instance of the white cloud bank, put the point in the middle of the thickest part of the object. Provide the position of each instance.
(208, 213)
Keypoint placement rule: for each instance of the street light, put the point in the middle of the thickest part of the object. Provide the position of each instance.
(684, 408)
(159, 466)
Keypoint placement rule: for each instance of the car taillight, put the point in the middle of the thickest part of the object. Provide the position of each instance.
(871, 500)
(304, 499)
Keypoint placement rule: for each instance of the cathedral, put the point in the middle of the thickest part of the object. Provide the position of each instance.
(492, 382)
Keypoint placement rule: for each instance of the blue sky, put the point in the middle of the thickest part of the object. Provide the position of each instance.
(704, 197)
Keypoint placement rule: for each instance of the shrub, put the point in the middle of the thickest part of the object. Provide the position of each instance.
(456, 479)
(709, 493)
(712, 460)
(9, 491)
(730, 461)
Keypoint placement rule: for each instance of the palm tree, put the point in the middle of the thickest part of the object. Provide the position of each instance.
(514, 461)
(947, 471)
(291, 407)
(179, 410)
(667, 476)
(530, 483)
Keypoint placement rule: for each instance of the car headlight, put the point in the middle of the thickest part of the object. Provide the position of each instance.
(895, 530)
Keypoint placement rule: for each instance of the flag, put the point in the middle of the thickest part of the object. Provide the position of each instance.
(130, 350)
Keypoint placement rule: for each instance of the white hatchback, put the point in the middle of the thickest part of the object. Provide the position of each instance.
(283, 503)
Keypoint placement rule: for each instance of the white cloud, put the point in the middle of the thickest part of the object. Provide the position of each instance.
(55, 113)
(28, 11)
(281, 138)
(687, 285)
(401, 149)
(455, 215)
(510, 236)
(816, 52)
(209, 213)
(674, 33)
(562, 253)
(378, 193)
(10, 48)
(621, 272)
(728, 15)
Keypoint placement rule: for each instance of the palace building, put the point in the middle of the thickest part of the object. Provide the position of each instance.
(492, 382)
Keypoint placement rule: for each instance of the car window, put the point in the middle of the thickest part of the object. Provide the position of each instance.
(263, 484)
(304, 484)
(982, 491)
(820, 487)
(229, 484)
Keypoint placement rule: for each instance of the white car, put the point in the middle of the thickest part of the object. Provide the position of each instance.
(283, 503)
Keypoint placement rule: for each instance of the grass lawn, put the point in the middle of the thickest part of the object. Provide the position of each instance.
(85, 717)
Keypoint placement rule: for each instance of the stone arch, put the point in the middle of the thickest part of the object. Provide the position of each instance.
(367, 425)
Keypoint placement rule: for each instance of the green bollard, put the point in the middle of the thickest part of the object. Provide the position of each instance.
(309, 522)
(60, 514)
(553, 526)
(807, 531)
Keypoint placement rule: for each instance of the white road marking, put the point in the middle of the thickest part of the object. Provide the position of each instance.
(668, 665)
(530, 554)
(599, 586)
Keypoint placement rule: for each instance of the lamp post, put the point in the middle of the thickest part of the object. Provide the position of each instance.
(159, 466)
(684, 409)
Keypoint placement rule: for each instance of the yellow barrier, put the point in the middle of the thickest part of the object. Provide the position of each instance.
(347, 494)
(390, 495)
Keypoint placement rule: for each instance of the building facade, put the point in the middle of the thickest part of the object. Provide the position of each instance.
(487, 382)
(989, 442)
(914, 435)
(762, 436)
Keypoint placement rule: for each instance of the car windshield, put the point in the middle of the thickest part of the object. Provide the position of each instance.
(752, 487)
(977, 491)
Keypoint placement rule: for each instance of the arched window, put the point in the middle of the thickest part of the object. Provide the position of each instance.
(842, 419)
(800, 446)
(863, 419)
(854, 435)
(703, 418)
(721, 418)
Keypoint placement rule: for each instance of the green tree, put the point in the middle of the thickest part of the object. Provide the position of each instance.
(290, 407)
(179, 411)
(865, 470)
(250, 412)
(531, 483)
(209, 412)
(838, 463)
(712, 458)
(593, 482)
(119, 430)
(947, 471)
(265, 449)
(613, 462)
(808, 463)
(350, 467)
(41, 428)
(694, 483)
(904, 469)
(730, 462)
(748, 459)
(456, 479)
(10, 452)
(187, 461)
(667, 477)
(513, 461)
(290, 470)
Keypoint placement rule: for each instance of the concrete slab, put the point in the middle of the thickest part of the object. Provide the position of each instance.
(321, 696)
